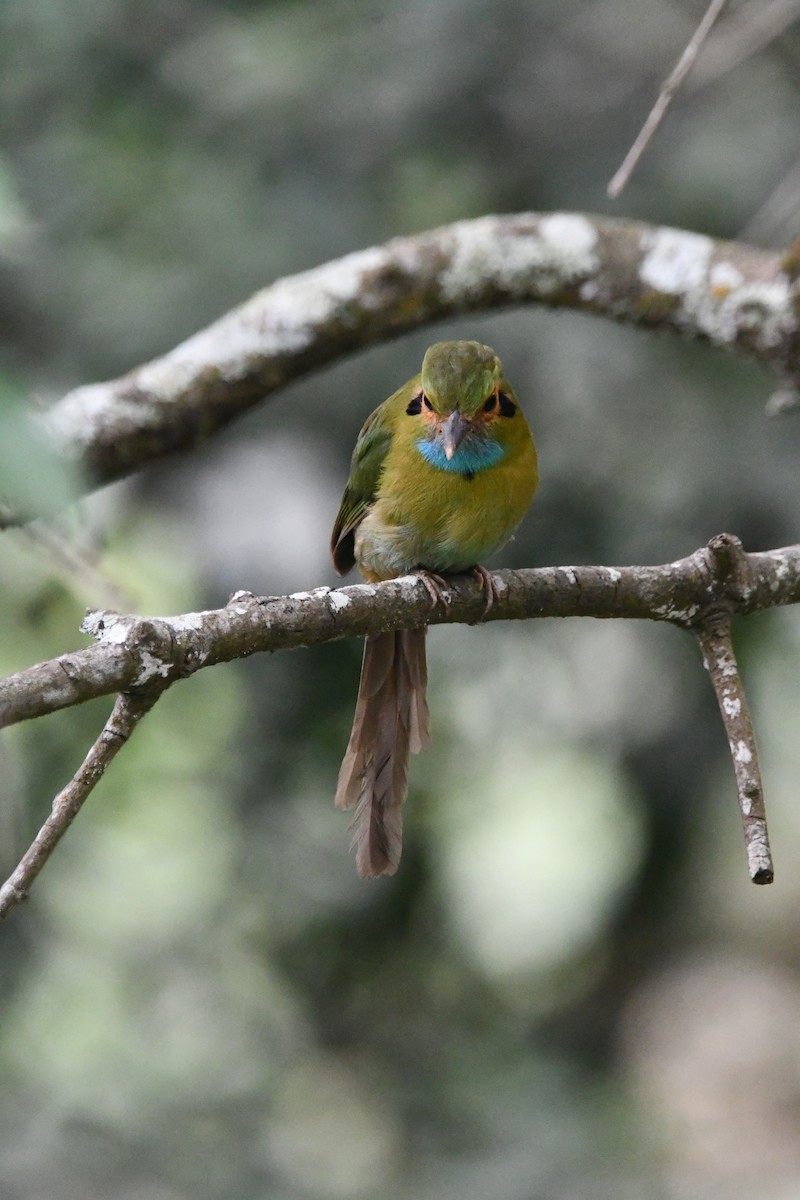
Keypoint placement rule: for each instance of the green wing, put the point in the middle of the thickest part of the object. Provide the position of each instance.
(362, 486)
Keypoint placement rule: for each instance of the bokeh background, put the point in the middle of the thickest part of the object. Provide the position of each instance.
(570, 989)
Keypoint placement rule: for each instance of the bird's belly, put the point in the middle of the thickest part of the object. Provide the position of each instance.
(449, 529)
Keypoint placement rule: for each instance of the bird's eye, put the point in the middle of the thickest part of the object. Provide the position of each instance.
(491, 403)
(415, 406)
(507, 405)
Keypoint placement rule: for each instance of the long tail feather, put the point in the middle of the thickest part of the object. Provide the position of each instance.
(391, 721)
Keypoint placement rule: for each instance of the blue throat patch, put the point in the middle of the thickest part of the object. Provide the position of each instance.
(472, 456)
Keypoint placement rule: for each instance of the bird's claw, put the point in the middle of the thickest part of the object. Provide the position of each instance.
(435, 586)
(488, 587)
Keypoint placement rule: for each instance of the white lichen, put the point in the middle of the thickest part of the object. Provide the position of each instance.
(725, 666)
(742, 753)
(670, 613)
(106, 627)
(675, 261)
(409, 585)
(338, 601)
(369, 589)
(150, 667)
(764, 308)
(538, 261)
(731, 707)
(194, 621)
(715, 298)
(573, 238)
(724, 276)
(76, 420)
(782, 566)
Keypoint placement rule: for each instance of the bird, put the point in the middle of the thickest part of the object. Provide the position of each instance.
(441, 476)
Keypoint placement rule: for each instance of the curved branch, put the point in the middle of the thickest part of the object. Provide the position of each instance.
(134, 652)
(726, 293)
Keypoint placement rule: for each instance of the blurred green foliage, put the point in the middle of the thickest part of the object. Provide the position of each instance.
(35, 479)
(201, 1000)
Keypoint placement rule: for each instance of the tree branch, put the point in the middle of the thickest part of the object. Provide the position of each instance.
(714, 636)
(720, 662)
(146, 654)
(125, 716)
(133, 652)
(726, 293)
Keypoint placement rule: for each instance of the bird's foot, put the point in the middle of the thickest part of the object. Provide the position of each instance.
(435, 586)
(488, 587)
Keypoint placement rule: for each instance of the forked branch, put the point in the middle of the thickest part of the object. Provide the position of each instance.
(139, 657)
(132, 652)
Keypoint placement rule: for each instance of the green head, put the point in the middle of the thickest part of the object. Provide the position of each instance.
(466, 407)
(460, 375)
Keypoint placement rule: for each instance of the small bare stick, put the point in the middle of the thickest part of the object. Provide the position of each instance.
(127, 712)
(719, 659)
(746, 34)
(665, 97)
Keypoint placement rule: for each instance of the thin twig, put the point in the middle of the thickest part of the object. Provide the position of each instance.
(746, 33)
(665, 97)
(714, 636)
(125, 716)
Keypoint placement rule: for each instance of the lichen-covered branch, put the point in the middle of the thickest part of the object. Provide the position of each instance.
(719, 660)
(138, 657)
(713, 630)
(726, 293)
(133, 652)
(125, 716)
